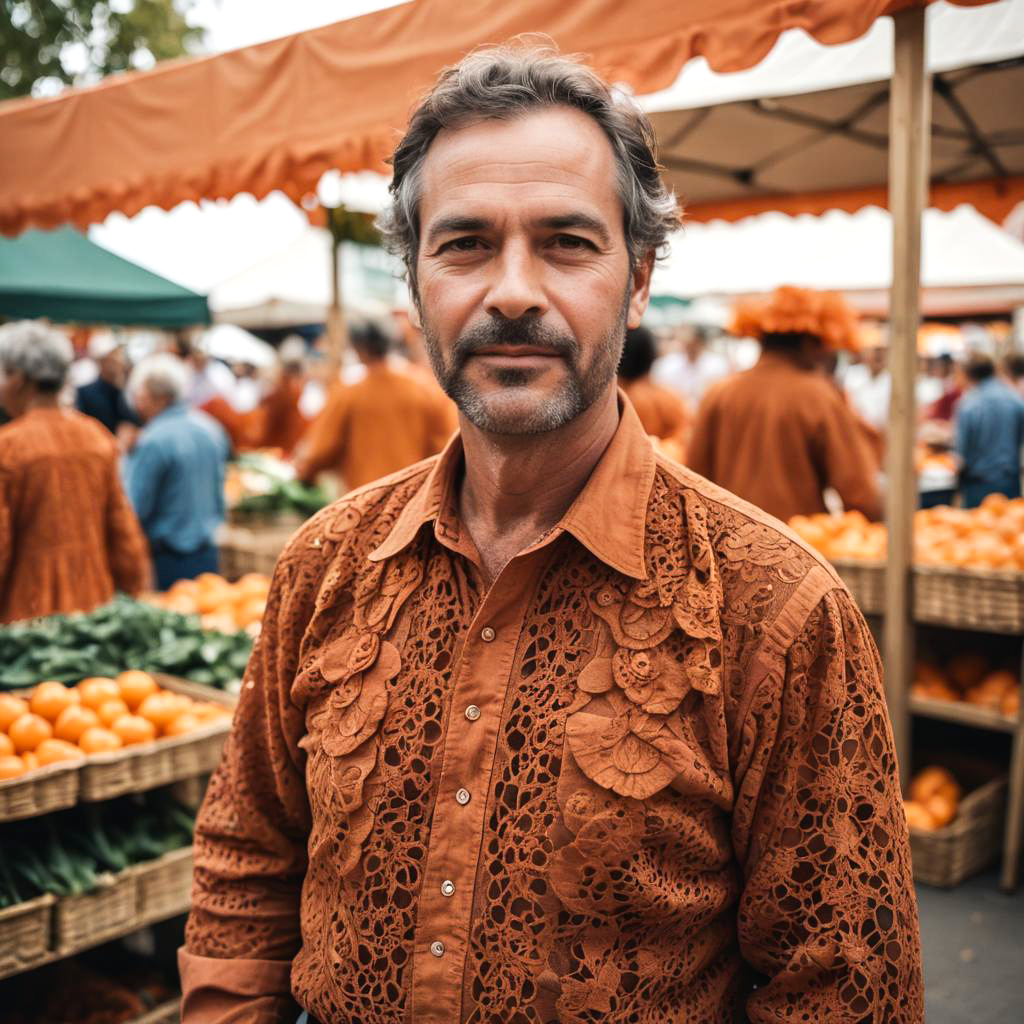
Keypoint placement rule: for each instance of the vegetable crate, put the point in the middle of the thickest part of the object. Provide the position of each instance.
(945, 857)
(131, 769)
(25, 934)
(93, 917)
(244, 549)
(46, 789)
(865, 581)
(989, 600)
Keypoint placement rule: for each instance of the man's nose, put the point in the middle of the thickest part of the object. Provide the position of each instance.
(516, 289)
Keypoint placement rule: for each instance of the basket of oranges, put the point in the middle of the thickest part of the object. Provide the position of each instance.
(952, 835)
(104, 737)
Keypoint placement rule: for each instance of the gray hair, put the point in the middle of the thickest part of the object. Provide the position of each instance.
(503, 82)
(162, 376)
(40, 353)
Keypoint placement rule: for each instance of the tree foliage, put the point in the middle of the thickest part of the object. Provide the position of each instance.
(46, 44)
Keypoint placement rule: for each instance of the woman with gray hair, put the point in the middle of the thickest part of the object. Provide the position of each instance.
(68, 537)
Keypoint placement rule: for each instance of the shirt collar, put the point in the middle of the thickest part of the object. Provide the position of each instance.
(608, 517)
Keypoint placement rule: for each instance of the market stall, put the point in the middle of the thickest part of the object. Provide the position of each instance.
(285, 132)
(63, 276)
(968, 264)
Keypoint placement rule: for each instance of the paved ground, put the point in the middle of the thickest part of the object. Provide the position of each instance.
(973, 943)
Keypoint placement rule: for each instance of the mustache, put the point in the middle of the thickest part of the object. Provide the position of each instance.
(530, 331)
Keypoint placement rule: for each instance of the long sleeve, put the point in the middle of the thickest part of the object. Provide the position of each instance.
(143, 468)
(828, 912)
(127, 551)
(325, 440)
(251, 838)
(700, 451)
(6, 531)
(849, 461)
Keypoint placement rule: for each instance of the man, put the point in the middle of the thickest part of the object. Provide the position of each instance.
(870, 391)
(662, 413)
(175, 473)
(104, 399)
(691, 371)
(548, 728)
(379, 424)
(68, 536)
(780, 433)
(988, 434)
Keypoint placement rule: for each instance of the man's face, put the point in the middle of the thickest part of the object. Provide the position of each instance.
(524, 284)
(113, 367)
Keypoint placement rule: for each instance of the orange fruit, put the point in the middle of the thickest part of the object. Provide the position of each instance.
(135, 687)
(28, 732)
(186, 722)
(132, 729)
(49, 699)
(6, 746)
(208, 712)
(11, 767)
(250, 610)
(96, 690)
(11, 707)
(97, 740)
(73, 721)
(160, 708)
(52, 751)
(111, 710)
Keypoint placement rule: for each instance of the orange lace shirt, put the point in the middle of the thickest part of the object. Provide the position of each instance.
(647, 776)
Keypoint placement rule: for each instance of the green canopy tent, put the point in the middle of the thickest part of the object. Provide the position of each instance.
(64, 277)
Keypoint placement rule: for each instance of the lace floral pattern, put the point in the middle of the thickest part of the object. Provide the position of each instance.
(692, 779)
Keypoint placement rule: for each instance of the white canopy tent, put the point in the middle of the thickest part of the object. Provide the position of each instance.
(292, 286)
(969, 265)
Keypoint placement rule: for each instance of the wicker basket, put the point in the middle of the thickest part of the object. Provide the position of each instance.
(93, 917)
(260, 520)
(946, 856)
(866, 581)
(39, 792)
(25, 934)
(245, 549)
(164, 885)
(148, 765)
(990, 600)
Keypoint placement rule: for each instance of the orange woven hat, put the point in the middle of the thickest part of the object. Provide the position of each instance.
(826, 316)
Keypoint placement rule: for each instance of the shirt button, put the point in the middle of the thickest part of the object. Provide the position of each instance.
(472, 712)
(487, 634)
(437, 948)
(462, 797)
(447, 887)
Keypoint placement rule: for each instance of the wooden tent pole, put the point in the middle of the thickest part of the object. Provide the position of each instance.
(909, 135)
(336, 328)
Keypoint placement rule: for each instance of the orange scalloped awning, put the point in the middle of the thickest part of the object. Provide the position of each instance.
(277, 115)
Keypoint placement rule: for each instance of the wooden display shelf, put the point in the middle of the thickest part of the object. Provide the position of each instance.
(962, 713)
(161, 889)
(133, 769)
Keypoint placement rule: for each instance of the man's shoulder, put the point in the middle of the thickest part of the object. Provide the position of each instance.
(346, 532)
(746, 544)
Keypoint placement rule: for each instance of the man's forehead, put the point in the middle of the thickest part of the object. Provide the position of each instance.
(549, 152)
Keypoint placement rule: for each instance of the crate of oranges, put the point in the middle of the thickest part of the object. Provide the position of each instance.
(103, 737)
(221, 606)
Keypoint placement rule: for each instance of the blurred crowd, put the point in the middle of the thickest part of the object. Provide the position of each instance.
(112, 469)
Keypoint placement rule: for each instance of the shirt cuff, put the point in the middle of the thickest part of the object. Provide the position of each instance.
(235, 991)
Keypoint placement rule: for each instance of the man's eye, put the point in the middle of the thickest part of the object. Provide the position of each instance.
(468, 244)
(572, 242)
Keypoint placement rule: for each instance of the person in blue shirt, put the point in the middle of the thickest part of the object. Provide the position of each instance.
(988, 435)
(174, 475)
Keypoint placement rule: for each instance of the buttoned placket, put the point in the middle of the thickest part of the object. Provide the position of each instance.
(479, 693)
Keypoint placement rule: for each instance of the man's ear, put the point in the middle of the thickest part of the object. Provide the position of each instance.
(640, 289)
(414, 310)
